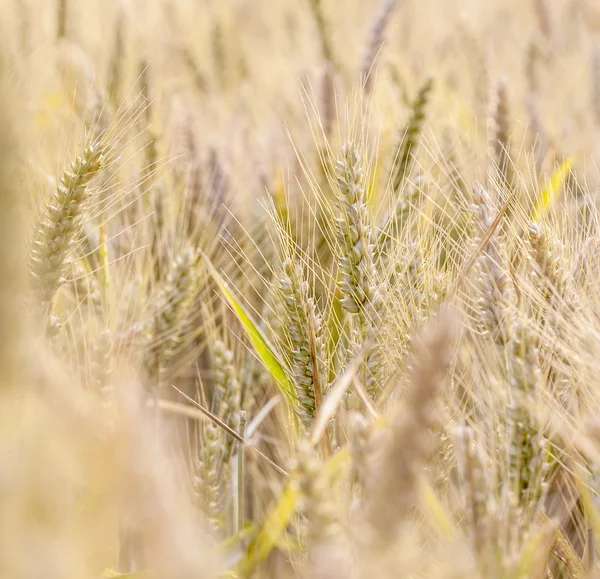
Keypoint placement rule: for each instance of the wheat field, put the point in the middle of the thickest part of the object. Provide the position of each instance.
(299, 289)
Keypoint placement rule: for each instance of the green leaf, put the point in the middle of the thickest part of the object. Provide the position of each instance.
(434, 511)
(283, 511)
(550, 193)
(274, 526)
(534, 553)
(263, 348)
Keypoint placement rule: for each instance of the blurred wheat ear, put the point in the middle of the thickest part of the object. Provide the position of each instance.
(12, 255)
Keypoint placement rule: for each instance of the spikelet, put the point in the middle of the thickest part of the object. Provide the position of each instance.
(376, 40)
(360, 293)
(227, 388)
(165, 330)
(59, 226)
(528, 447)
(558, 311)
(303, 328)
(206, 473)
(494, 281)
(549, 272)
(354, 233)
(501, 135)
(411, 136)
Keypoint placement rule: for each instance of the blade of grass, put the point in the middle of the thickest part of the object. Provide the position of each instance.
(275, 524)
(263, 348)
(434, 510)
(549, 195)
(281, 515)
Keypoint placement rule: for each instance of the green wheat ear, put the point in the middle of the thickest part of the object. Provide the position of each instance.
(361, 296)
(303, 328)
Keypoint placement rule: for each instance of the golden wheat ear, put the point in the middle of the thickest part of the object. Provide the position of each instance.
(58, 227)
